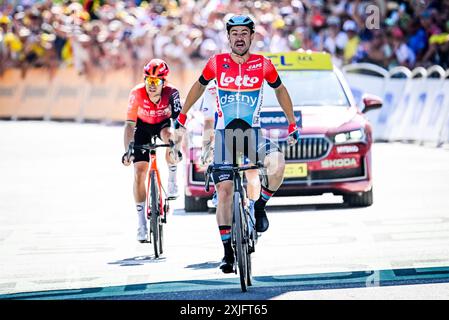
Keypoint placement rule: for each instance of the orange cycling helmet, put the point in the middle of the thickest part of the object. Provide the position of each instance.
(156, 68)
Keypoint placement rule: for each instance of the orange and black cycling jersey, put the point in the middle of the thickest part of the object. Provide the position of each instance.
(141, 107)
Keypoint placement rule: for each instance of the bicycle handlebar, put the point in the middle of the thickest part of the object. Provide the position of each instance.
(150, 146)
(153, 146)
(234, 168)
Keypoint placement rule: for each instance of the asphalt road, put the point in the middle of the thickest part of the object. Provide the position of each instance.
(67, 229)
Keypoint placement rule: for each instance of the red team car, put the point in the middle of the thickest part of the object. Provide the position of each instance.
(333, 154)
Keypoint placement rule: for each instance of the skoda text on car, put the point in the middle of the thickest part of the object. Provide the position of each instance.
(333, 154)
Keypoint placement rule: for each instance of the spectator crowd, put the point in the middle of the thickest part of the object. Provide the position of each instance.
(103, 35)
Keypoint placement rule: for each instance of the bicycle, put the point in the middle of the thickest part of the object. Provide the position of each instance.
(243, 231)
(156, 207)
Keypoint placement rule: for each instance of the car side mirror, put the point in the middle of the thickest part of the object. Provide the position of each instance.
(371, 102)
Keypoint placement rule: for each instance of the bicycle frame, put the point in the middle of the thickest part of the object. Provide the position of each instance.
(243, 235)
(240, 192)
(156, 212)
(153, 168)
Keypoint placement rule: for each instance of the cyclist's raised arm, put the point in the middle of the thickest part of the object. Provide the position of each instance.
(283, 97)
(285, 102)
(194, 94)
(287, 106)
(272, 77)
(197, 89)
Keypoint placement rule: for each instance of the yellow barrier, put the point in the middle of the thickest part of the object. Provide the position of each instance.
(69, 96)
(98, 98)
(117, 110)
(35, 97)
(10, 92)
(66, 99)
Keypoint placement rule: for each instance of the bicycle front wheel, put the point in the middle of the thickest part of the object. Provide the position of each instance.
(155, 217)
(248, 251)
(246, 232)
(240, 242)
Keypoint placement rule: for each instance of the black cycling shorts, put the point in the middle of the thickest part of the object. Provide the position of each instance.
(143, 134)
(239, 140)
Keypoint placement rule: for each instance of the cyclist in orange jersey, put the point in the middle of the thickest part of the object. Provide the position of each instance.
(152, 105)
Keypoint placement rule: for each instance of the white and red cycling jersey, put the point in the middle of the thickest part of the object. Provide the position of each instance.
(239, 86)
(209, 101)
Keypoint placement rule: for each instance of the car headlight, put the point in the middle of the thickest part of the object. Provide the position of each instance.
(350, 136)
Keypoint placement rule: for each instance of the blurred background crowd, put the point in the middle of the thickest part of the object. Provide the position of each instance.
(104, 35)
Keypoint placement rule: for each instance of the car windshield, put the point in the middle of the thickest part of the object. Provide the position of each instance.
(309, 88)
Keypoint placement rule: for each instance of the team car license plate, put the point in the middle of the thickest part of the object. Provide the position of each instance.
(295, 170)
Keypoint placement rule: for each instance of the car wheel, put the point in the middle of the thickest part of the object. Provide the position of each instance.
(365, 199)
(192, 204)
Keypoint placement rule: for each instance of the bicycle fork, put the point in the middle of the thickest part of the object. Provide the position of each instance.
(249, 224)
(153, 168)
